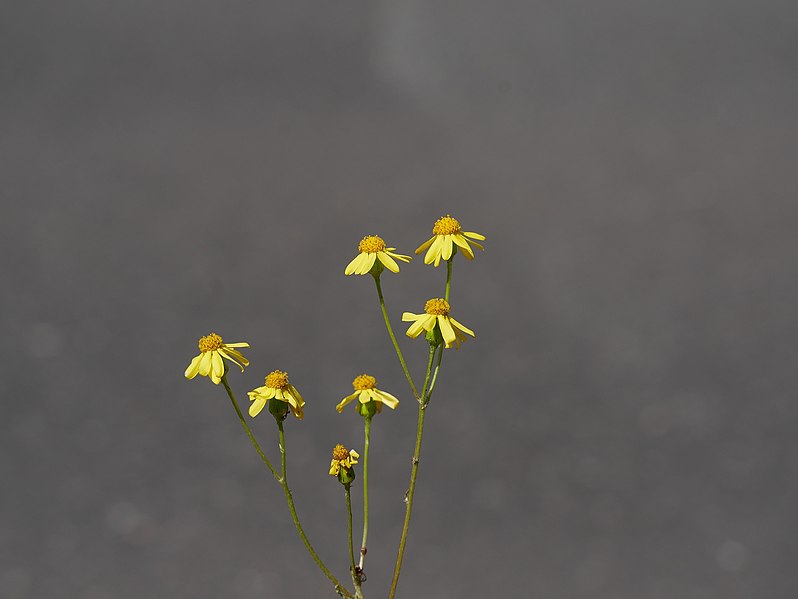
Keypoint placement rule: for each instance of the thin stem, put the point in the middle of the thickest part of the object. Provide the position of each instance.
(434, 377)
(255, 443)
(367, 427)
(413, 473)
(339, 588)
(393, 338)
(352, 567)
(448, 277)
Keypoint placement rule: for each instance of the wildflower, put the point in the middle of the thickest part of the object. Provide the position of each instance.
(366, 391)
(371, 249)
(446, 233)
(276, 387)
(209, 362)
(342, 462)
(436, 312)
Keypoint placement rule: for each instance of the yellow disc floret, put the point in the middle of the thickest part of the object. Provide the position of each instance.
(363, 382)
(371, 244)
(277, 379)
(446, 225)
(210, 342)
(437, 306)
(340, 452)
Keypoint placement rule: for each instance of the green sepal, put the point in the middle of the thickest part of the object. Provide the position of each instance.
(367, 410)
(278, 409)
(435, 337)
(346, 475)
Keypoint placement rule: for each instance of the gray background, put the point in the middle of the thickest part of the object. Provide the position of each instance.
(622, 428)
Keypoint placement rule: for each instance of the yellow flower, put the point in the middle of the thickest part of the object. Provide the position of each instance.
(276, 387)
(366, 391)
(342, 459)
(371, 249)
(446, 233)
(209, 362)
(436, 311)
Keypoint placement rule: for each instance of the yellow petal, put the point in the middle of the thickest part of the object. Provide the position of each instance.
(463, 328)
(408, 316)
(461, 241)
(425, 245)
(256, 406)
(401, 257)
(270, 392)
(367, 263)
(354, 454)
(346, 400)
(205, 363)
(429, 322)
(235, 356)
(446, 330)
(415, 328)
(388, 399)
(193, 368)
(388, 262)
(217, 365)
(300, 402)
(236, 345)
(446, 251)
(434, 251)
(474, 235)
(352, 266)
(364, 396)
(334, 467)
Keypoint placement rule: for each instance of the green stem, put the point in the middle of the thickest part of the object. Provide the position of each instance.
(367, 426)
(352, 567)
(255, 443)
(413, 473)
(434, 377)
(448, 277)
(339, 588)
(393, 338)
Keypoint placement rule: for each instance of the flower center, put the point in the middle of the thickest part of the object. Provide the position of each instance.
(364, 382)
(210, 342)
(371, 244)
(446, 225)
(340, 452)
(277, 379)
(437, 306)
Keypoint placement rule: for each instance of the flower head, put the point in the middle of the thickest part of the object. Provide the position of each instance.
(209, 362)
(342, 462)
(366, 391)
(278, 388)
(372, 248)
(446, 233)
(436, 313)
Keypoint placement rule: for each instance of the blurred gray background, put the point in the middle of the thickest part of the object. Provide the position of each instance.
(622, 428)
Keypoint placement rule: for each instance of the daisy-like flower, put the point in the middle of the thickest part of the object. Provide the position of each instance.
(436, 312)
(342, 459)
(366, 391)
(372, 248)
(209, 362)
(446, 233)
(276, 387)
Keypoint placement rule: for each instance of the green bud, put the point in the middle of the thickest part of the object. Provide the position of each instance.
(377, 269)
(346, 475)
(434, 337)
(278, 409)
(367, 410)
